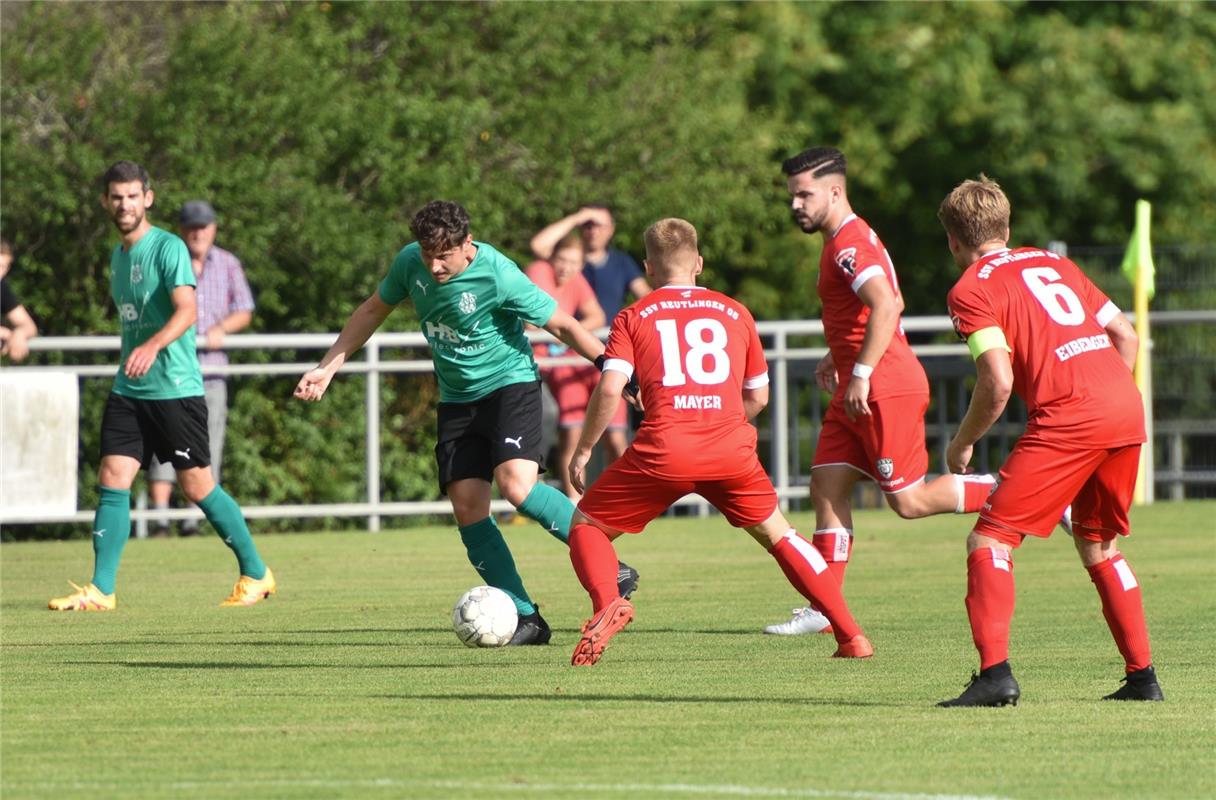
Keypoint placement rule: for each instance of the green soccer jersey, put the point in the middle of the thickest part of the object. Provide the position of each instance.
(473, 322)
(142, 283)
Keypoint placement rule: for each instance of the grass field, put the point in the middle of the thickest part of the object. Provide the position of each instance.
(350, 682)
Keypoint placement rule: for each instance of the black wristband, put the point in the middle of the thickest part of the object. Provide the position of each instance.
(599, 362)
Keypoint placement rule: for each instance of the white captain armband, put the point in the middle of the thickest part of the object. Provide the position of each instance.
(1106, 313)
(987, 339)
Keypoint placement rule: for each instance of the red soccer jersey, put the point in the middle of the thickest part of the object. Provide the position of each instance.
(1075, 385)
(851, 256)
(694, 351)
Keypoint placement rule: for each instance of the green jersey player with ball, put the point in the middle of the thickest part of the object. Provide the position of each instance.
(472, 302)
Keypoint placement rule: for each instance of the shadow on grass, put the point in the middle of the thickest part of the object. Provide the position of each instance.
(635, 698)
(150, 639)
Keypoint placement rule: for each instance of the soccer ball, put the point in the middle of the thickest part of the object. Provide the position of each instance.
(485, 617)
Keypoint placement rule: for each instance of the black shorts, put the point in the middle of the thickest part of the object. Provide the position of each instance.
(175, 430)
(476, 437)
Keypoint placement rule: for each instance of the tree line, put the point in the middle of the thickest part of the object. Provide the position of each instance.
(316, 129)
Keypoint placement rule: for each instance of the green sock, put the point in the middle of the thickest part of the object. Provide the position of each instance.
(111, 527)
(490, 556)
(223, 512)
(552, 509)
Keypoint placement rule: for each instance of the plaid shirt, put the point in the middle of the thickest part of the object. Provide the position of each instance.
(222, 290)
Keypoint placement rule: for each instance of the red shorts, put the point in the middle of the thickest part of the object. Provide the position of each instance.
(1039, 479)
(626, 497)
(571, 388)
(888, 446)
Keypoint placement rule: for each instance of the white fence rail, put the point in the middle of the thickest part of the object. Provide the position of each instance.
(780, 354)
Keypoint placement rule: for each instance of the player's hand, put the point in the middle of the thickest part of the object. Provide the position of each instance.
(141, 360)
(577, 469)
(312, 386)
(215, 337)
(958, 456)
(825, 374)
(856, 398)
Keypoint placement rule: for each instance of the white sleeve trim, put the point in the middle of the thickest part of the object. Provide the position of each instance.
(1107, 312)
(756, 381)
(865, 275)
(619, 365)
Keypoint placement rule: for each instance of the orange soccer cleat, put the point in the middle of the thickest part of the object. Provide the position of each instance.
(599, 629)
(857, 647)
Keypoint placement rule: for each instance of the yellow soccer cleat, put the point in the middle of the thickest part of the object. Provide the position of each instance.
(250, 590)
(85, 598)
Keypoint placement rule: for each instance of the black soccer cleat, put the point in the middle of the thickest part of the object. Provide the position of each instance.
(1139, 685)
(531, 629)
(994, 686)
(626, 579)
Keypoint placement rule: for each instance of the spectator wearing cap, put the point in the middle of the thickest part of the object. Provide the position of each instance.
(225, 305)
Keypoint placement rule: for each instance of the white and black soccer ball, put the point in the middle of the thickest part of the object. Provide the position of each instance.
(485, 617)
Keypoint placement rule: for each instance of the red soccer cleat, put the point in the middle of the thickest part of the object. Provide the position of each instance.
(857, 647)
(599, 629)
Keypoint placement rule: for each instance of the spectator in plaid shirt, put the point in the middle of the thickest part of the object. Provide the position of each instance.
(225, 305)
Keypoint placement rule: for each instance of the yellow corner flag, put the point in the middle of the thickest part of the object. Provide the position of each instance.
(1138, 267)
(1138, 258)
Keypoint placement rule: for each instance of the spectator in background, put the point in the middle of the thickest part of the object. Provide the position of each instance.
(18, 326)
(613, 275)
(225, 305)
(561, 278)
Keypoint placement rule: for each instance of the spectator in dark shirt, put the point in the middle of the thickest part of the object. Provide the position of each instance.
(18, 326)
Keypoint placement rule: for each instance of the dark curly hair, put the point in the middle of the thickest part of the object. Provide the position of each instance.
(440, 225)
(819, 160)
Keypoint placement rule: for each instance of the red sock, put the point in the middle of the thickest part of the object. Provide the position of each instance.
(1124, 610)
(835, 545)
(595, 563)
(811, 576)
(990, 603)
(973, 492)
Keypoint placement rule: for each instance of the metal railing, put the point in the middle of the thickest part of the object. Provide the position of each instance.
(783, 423)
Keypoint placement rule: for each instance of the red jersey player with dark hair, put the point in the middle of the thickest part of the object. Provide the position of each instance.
(1037, 326)
(702, 376)
(874, 427)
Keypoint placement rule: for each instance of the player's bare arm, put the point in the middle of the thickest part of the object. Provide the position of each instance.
(755, 401)
(185, 312)
(878, 295)
(355, 333)
(572, 333)
(994, 384)
(600, 410)
(1123, 337)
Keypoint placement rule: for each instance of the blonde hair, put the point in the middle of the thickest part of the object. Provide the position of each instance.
(977, 211)
(669, 243)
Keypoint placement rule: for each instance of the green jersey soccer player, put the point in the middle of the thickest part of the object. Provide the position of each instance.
(156, 405)
(472, 302)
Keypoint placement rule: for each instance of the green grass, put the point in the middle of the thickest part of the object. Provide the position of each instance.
(350, 683)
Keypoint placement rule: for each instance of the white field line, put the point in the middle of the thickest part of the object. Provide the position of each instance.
(727, 790)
